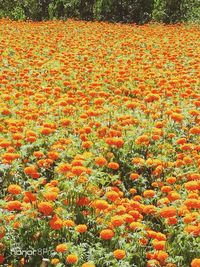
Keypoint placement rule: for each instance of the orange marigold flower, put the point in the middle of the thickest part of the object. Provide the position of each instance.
(119, 254)
(112, 195)
(56, 223)
(51, 196)
(167, 212)
(46, 131)
(87, 144)
(153, 263)
(45, 207)
(107, 234)
(136, 225)
(172, 220)
(78, 170)
(81, 228)
(192, 229)
(117, 221)
(171, 180)
(65, 122)
(195, 262)
(72, 258)
(63, 167)
(177, 117)
(113, 165)
(101, 204)
(55, 261)
(194, 130)
(134, 176)
(143, 139)
(192, 185)
(100, 161)
(30, 170)
(161, 256)
(38, 154)
(14, 205)
(69, 223)
(61, 248)
(192, 203)
(53, 155)
(14, 189)
(148, 193)
(149, 209)
(158, 245)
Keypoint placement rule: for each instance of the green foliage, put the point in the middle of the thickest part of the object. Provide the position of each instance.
(124, 10)
(138, 11)
(172, 11)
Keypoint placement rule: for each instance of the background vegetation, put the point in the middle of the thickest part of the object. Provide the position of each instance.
(138, 11)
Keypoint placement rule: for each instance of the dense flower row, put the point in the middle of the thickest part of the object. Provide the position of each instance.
(99, 144)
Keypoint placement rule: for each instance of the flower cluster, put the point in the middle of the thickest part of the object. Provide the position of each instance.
(99, 144)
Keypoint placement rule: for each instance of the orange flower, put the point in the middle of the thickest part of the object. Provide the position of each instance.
(38, 154)
(65, 122)
(50, 196)
(56, 223)
(194, 130)
(172, 220)
(101, 204)
(153, 263)
(192, 185)
(149, 209)
(192, 203)
(136, 226)
(112, 195)
(46, 131)
(14, 205)
(134, 176)
(71, 258)
(63, 167)
(119, 254)
(53, 155)
(55, 261)
(167, 212)
(87, 144)
(78, 170)
(107, 234)
(30, 170)
(61, 248)
(100, 161)
(143, 139)
(161, 256)
(113, 165)
(14, 189)
(148, 193)
(69, 223)
(45, 207)
(81, 228)
(177, 117)
(195, 262)
(158, 245)
(193, 230)
(117, 221)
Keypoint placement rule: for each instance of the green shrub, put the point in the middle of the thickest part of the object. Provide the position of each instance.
(138, 11)
(172, 11)
(124, 10)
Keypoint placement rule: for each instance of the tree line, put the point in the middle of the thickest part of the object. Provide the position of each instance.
(128, 11)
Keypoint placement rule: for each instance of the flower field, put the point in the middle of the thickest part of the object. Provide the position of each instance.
(99, 144)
